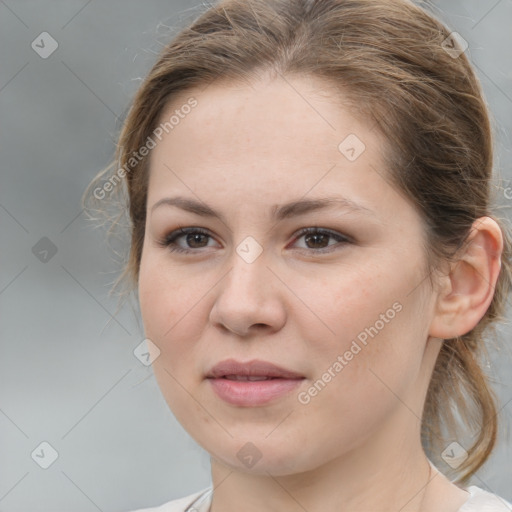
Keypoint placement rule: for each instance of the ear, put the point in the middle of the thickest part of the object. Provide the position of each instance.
(467, 291)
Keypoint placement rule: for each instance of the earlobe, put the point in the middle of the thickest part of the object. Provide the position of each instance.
(466, 293)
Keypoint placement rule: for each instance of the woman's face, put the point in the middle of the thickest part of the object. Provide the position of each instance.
(345, 307)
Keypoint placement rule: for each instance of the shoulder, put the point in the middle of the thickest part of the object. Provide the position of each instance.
(484, 501)
(200, 501)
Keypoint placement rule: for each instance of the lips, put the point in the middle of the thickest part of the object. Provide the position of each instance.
(251, 370)
(251, 378)
(253, 383)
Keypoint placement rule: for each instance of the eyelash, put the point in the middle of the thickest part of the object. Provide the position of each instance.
(169, 241)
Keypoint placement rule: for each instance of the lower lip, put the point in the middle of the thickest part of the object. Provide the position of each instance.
(252, 393)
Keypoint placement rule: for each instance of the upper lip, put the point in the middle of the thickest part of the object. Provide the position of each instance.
(253, 368)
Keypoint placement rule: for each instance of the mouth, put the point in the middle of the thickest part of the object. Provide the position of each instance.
(231, 368)
(251, 378)
(253, 383)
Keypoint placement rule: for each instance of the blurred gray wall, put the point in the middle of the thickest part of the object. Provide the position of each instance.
(68, 375)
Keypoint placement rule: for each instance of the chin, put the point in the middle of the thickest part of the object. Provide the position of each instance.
(262, 457)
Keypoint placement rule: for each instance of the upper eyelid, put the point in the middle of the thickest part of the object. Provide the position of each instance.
(186, 230)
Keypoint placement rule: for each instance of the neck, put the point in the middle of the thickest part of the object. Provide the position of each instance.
(393, 477)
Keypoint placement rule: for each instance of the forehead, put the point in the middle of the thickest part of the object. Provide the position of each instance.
(294, 120)
(271, 142)
(243, 148)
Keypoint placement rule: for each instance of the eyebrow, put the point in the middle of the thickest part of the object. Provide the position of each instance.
(278, 212)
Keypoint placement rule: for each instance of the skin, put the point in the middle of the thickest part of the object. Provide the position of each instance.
(356, 445)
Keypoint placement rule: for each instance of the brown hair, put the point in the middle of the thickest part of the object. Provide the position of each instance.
(391, 59)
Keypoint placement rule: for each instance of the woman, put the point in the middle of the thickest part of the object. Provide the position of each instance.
(315, 256)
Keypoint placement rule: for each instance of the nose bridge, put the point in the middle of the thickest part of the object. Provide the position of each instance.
(248, 296)
(248, 266)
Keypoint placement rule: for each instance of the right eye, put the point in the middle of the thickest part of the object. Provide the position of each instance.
(194, 238)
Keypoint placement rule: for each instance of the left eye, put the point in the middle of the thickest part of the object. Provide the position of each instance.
(316, 239)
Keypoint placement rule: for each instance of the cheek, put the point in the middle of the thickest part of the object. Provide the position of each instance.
(156, 301)
(345, 302)
(162, 305)
(169, 321)
(164, 298)
(368, 327)
(173, 316)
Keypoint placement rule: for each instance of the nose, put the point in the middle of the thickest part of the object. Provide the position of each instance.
(249, 299)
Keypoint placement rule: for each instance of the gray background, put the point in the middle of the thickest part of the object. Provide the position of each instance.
(68, 374)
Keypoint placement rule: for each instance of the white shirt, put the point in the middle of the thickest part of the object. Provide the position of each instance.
(479, 501)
